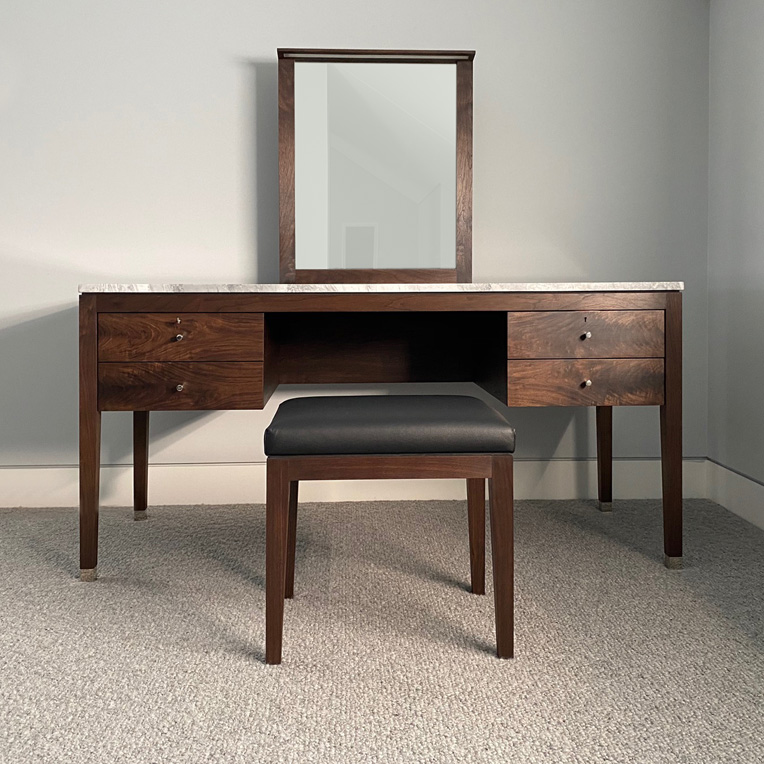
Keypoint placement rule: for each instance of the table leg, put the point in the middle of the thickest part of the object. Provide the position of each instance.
(671, 435)
(140, 464)
(90, 438)
(605, 457)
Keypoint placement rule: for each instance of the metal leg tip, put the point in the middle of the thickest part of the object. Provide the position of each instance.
(605, 506)
(88, 574)
(139, 514)
(672, 563)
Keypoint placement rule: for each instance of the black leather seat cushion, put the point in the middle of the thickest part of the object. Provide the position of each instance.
(388, 424)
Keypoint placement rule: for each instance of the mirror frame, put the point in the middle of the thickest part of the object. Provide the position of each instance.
(288, 272)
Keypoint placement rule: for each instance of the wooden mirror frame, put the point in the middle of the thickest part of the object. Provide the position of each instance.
(288, 272)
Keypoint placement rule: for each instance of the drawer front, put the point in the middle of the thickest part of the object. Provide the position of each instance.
(180, 337)
(614, 382)
(586, 334)
(205, 385)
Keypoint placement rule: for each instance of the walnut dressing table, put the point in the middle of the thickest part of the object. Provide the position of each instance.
(197, 347)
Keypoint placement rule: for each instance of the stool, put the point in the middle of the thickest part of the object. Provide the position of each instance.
(397, 436)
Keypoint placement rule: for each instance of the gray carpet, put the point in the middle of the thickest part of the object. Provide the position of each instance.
(387, 657)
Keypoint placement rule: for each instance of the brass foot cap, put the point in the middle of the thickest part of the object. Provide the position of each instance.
(139, 514)
(605, 506)
(88, 574)
(672, 563)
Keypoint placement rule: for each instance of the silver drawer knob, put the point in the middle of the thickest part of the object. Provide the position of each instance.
(586, 336)
(179, 388)
(178, 337)
(588, 383)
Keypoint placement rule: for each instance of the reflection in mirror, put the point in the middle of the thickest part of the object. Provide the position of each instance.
(375, 165)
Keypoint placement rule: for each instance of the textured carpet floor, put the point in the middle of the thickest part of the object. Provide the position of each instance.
(387, 656)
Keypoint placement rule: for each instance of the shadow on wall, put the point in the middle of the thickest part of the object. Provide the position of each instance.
(263, 166)
(540, 432)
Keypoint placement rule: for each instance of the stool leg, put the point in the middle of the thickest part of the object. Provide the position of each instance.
(276, 521)
(476, 522)
(502, 547)
(291, 540)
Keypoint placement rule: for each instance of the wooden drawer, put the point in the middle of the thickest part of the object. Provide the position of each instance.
(615, 382)
(205, 385)
(204, 336)
(563, 334)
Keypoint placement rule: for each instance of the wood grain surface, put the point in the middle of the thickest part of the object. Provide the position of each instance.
(140, 461)
(205, 337)
(604, 426)
(376, 55)
(476, 532)
(90, 434)
(206, 385)
(386, 466)
(671, 432)
(501, 493)
(563, 334)
(375, 275)
(464, 171)
(615, 382)
(327, 302)
(286, 171)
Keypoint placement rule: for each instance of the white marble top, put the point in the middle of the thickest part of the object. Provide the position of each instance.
(583, 286)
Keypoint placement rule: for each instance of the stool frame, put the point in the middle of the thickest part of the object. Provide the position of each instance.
(285, 472)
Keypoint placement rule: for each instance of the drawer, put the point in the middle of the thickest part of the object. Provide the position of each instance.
(205, 385)
(586, 334)
(614, 382)
(180, 336)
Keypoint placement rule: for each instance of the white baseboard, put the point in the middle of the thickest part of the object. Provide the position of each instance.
(739, 494)
(245, 483)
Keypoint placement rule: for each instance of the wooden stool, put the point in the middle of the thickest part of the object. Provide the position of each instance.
(395, 436)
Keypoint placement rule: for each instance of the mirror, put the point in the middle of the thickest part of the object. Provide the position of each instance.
(375, 166)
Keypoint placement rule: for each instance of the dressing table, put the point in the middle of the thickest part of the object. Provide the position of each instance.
(187, 348)
(375, 194)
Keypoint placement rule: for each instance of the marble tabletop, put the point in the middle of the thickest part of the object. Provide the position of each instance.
(583, 286)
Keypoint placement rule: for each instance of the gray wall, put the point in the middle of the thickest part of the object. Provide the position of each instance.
(736, 236)
(138, 144)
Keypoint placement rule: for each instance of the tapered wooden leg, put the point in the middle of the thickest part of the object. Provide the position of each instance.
(291, 540)
(140, 463)
(671, 464)
(90, 438)
(476, 523)
(502, 547)
(90, 469)
(605, 457)
(276, 522)
(671, 435)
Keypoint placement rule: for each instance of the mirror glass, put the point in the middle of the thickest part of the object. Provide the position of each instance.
(375, 165)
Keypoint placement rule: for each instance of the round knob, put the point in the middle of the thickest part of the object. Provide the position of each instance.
(588, 383)
(586, 336)
(178, 337)
(179, 388)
